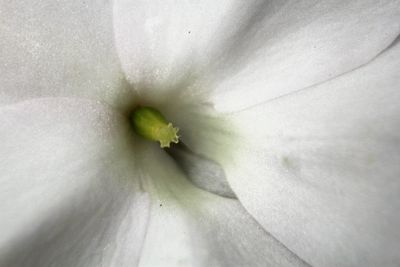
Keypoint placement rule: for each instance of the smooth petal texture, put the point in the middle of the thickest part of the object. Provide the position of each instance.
(161, 43)
(58, 48)
(240, 53)
(292, 45)
(190, 227)
(320, 170)
(69, 192)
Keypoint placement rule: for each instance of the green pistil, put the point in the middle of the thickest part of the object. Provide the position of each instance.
(151, 124)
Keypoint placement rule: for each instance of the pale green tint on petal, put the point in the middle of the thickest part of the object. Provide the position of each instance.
(69, 194)
(190, 227)
(203, 172)
(58, 48)
(200, 127)
(320, 169)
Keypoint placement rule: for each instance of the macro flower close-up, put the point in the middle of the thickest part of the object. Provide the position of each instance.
(199, 133)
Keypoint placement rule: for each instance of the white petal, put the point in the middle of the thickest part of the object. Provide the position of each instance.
(69, 190)
(164, 45)
(296, 44)
(58, 48)
(159, 39)
(246, 52)
(320, 170)
(190, 227)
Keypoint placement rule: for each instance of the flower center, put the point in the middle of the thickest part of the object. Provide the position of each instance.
(149, 123)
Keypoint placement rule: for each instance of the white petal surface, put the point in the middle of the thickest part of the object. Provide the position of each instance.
(190, 227)
(58, 48)
(69, 193)
(160, 42)
(320, 170)
(246, 52)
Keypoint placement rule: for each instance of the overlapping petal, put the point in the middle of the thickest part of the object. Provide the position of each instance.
(319, 168)
(292, 45)
(240, 53)
(70, 193)
(191, 227)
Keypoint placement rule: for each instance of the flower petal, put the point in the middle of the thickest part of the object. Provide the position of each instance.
(247, 52)
(190, 227)
(58, 48)
(292, 45)
(70, 195)
(320, 170)
(161, 44)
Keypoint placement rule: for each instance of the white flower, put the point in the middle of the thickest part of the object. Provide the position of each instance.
(294, 103)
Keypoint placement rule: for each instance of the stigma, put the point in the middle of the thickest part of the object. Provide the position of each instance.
(150, 124)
